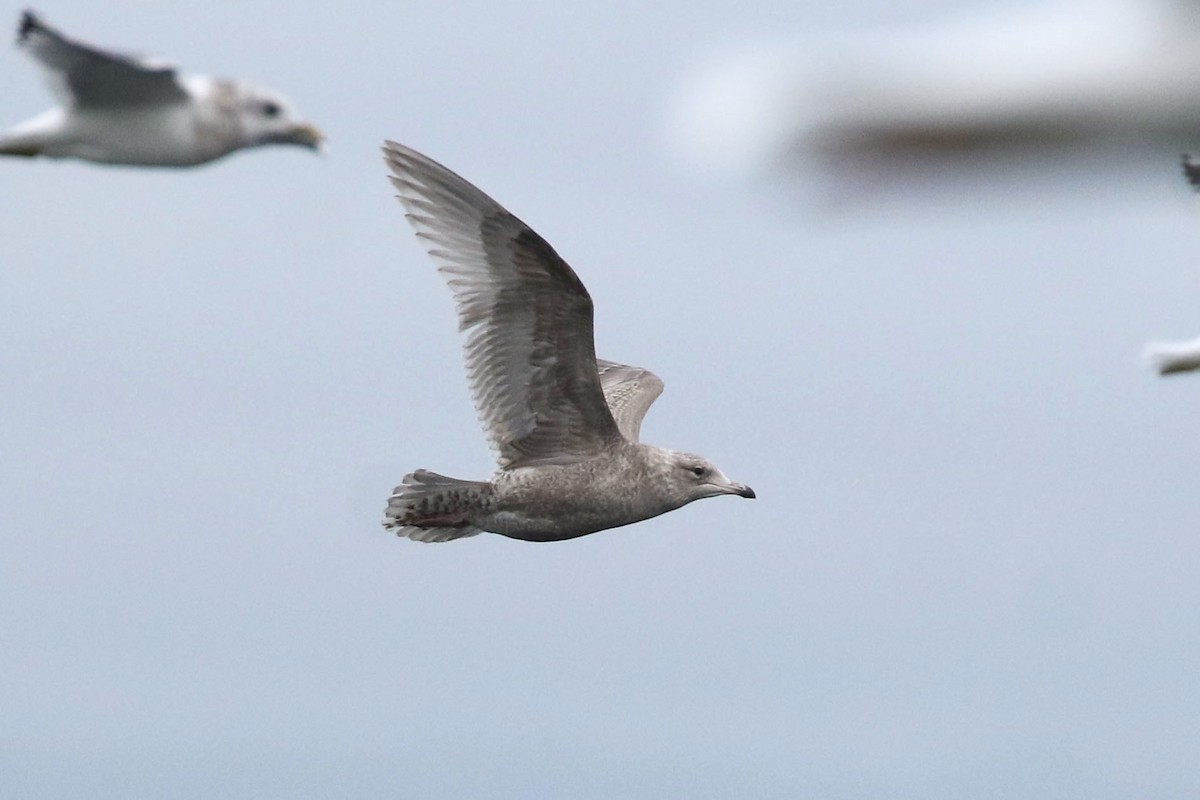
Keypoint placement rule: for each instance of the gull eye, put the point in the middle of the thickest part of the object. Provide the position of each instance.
(699, 471)
(270, 109)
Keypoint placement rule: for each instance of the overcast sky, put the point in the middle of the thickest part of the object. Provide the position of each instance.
(970, 571)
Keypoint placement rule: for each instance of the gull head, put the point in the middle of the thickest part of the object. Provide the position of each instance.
(695, 477)
(266, 118)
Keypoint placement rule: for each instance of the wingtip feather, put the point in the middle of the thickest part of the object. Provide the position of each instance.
(29, 23)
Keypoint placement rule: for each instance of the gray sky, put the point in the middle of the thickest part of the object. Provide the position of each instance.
(970, 572)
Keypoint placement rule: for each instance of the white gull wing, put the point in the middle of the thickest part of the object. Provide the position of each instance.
(1168, 358)
(87, 77)
(629, 392)
(529, 352)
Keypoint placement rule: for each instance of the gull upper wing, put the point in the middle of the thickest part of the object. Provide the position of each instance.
(529, 350)
(629, 392)
(88, 77)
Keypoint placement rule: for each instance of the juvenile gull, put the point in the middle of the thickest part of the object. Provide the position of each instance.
(118, 109)
(564, 424)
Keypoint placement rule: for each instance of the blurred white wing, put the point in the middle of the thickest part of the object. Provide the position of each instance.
(87, 77)
(1171, 357)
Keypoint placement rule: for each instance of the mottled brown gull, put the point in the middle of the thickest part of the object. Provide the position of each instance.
(118, 109)
(563, 423)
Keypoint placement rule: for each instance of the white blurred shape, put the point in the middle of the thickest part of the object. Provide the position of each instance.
(1055, 74)
(1170, 357)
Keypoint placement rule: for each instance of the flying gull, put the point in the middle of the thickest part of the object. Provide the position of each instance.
(563, 423)
(985, 84)
(118, 109)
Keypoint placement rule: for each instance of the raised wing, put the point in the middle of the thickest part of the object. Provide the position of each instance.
(629, 391)
(87, 77)
(529, 351)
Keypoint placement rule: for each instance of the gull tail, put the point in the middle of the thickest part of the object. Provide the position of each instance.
(428, 507)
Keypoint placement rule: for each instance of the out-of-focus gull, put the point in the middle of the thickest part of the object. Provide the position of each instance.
(1168, 358)
(119, 109)
(1060, 74)
(564, 424)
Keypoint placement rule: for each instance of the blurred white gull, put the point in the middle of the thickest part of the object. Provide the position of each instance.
(1168, 358)
(564, 424)
(118, 109)
(1057, 73)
